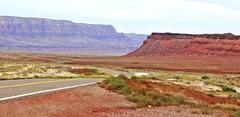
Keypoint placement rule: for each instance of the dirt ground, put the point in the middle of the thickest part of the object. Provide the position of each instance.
(91, 101)
(168, 63)
(209, 64)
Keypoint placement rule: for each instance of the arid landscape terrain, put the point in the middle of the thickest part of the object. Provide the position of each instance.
(59, 68)
(162, 86)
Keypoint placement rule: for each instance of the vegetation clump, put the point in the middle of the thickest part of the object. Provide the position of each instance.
(85, 71)
(142, 97)
(228, 89)
(205, 77)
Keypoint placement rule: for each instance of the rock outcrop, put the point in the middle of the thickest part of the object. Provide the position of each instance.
(174, 44)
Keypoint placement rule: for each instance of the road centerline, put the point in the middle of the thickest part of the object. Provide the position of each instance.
(37, 83)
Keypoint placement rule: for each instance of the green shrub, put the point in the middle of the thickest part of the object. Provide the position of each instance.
(85, 71)
(126, 91)
(234, 95)
(170, 99)
(235, 114)
(142, 97)
(228, 89)
(134, 77)
(176, 77)
(205, 77)
(116, 83)
(122, 76)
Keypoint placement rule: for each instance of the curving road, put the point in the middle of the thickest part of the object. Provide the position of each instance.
(12, 89)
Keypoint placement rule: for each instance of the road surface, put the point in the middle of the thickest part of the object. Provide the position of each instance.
(12, 89)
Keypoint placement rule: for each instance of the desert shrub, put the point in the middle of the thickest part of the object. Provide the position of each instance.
(142, 97)
(235, 114)
(205, 77)
(228, 89)
(35, 76)
(234, 95)
(176, 77)
(116, 83)
(156, 99)
(85, 71)
(134, 77)
(226, 107)
(126, 91)
(139, 98)
(170, 99)
(122, 76)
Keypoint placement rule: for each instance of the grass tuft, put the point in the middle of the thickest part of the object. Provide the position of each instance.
(235, 114)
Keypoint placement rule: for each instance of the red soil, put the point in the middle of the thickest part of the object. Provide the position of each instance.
(90, 101)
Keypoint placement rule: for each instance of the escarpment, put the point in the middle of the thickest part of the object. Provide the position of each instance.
(47, 35)
(174, 44)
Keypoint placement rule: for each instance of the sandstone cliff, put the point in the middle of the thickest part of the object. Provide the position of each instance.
(39, 27)
(39, 34)
(174, 44)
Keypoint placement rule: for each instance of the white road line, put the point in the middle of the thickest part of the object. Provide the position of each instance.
(45, 91)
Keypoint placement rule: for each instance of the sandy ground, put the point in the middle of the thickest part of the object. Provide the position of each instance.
(90, 101)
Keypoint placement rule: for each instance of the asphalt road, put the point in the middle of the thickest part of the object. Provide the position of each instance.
(13, 89)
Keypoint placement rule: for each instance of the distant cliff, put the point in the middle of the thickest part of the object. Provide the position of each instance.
(174, 44)
(37, 27)
(39, 34)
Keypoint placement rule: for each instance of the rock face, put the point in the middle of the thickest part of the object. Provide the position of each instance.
(38, 34)
(174, 44)
(37, 27)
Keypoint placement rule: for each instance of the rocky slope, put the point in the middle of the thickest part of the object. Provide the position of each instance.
(38, 34)
(174, 44)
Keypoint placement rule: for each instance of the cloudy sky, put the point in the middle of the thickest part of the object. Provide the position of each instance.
(140, 16)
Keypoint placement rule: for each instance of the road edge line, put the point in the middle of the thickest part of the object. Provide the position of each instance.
(44, 91)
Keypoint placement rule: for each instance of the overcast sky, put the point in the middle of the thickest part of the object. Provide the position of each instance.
(140, 16)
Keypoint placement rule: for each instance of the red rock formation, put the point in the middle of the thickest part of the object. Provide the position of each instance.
(173, 44)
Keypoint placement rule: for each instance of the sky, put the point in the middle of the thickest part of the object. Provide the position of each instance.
(139, 16)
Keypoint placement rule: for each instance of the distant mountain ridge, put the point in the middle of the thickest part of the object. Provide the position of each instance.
(40, 34)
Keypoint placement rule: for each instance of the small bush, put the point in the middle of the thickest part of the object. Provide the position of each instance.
(176, 77)
(228, 89)
(142, 97)
(85, 71)
(122, 76)
(126, 91)
(235, 96)
(116, 83)
(205, 77)
(235, 114)
(134, 77)
(228, 107)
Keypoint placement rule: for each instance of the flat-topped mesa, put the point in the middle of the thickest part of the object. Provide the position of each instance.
(175, 44)
(167, 35)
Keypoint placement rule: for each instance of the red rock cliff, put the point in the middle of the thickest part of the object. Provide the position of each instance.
(174, 44)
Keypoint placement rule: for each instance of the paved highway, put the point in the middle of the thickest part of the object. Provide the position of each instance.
(12, 89)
